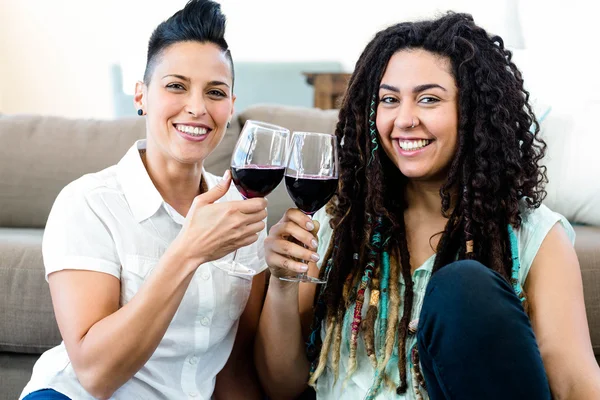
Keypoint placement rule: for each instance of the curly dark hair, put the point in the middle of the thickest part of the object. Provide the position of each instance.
(496, 167)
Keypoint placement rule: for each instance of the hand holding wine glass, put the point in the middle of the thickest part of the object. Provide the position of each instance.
(213, 229)
(257, 167)
(311, 177)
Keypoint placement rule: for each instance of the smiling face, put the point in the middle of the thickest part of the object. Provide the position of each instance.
(418, 89)
(188, 101)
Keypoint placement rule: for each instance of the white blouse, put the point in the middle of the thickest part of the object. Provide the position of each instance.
(116, 222)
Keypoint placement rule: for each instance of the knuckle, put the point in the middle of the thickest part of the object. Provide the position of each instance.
(275, 228)
(230, 209)
(286, 247)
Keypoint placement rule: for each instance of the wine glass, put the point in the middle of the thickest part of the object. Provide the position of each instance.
(257, 167)
(311, 177)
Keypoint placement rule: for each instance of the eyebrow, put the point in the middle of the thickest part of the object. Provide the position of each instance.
(416, 89)
(184, 78)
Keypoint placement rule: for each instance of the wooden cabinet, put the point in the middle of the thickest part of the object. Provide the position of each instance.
(329, 88)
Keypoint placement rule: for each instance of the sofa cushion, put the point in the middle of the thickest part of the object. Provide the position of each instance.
(299, 119)
(28, 322)
(587, 246)
(15, 371)
(40, 155)
(573, 138)
(220, 159)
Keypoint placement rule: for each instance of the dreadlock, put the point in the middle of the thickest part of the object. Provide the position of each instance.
(496, 165)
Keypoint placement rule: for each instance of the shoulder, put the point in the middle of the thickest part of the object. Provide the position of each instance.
(536, 224)
(107, 178)
(89, 186)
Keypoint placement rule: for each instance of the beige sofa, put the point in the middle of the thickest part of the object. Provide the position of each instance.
(40, 155)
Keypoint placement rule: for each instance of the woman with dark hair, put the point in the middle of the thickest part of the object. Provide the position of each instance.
(142, 309)
(446, 276)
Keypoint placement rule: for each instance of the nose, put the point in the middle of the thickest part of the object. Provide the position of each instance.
(406, 117)
(196, 105)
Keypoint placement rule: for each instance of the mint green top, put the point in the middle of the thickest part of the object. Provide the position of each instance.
(536, 225)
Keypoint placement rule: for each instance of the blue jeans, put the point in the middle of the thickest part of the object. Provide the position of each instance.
(45, 394)
(475, 340)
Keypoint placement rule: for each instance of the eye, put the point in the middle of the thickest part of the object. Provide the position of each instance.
(388, 100)
(176, 86)
(428, 100)
(217, 93)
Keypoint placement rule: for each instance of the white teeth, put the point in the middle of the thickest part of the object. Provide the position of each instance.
(413, 144)
(191, 130)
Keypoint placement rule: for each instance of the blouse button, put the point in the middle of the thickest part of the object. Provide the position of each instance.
(205, 321)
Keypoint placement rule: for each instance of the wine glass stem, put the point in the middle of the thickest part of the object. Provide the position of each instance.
(233, 260)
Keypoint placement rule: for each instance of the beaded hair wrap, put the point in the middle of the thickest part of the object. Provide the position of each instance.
(376, 243)
(373, 129)
(418, 384)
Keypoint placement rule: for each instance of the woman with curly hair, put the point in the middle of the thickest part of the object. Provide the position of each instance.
(446, 276)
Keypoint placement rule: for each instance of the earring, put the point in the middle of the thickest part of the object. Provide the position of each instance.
(228, 124)
(140, 112)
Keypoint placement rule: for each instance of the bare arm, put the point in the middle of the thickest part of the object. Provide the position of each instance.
(86, 304)
(106, 344)
(238, 379)
(557, 313)
(280, 350)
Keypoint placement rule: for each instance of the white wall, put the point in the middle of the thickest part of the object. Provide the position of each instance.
(56, 55)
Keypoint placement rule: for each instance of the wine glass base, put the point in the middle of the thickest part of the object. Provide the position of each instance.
(302, 278)
(235, 268)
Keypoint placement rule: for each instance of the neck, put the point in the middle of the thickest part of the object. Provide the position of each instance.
(424, 197)
(177, 183)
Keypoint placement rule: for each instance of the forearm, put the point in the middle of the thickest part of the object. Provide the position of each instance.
(279, 351)
(134, 331)
(238, 380)
(586, 387)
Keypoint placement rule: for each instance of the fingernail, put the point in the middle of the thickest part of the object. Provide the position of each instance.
(304, 268)
(314, 244)
(226, 174)
(315, 257)
(310, 226)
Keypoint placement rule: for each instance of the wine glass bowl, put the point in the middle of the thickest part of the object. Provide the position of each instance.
(257, 167)
(311, 177)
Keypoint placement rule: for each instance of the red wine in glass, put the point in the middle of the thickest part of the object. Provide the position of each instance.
(256, 180)
(310, 193)
(311, 178)
(257, 167)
